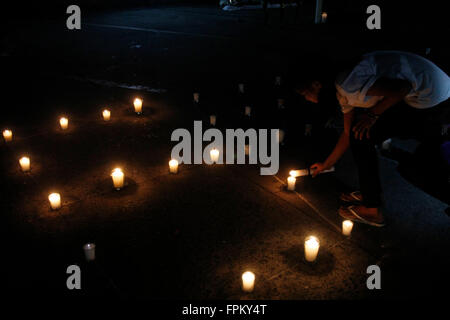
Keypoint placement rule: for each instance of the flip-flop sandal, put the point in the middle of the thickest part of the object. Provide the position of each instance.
(354, 196)
(353, 215)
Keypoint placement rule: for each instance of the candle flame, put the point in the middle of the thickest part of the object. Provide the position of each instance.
(54, 197)
(248, 276)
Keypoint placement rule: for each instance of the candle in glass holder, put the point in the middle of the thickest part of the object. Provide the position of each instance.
(173, 166)
(291, 183)
(106, 115)
(89, 251)
(248, 110)
(212, 120)
(7, 135)
(64, 123)
(214, 153)
(311, 248)
(324, 17)
(118, 178)
(347, 227)
(138, 105)
(55, 201)
(25, 164)
(248, 281)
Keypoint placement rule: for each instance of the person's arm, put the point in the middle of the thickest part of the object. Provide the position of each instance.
(341, 146)
(392, 91)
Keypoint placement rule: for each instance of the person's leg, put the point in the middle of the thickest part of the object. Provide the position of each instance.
(397, 120)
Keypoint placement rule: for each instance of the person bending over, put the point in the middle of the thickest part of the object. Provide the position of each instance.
(387, 94)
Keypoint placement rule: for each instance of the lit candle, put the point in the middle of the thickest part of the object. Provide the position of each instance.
(247, 150)
(347, 226)
(248, 281)
(55, 201)
(7, 135)
(212, 120)
(64, 123)
(196, 97)
(89, 251)
(173, 166)
(280, 136)
(248, 110)
(25, 164)
(291, 183)
(311, 248)
(324, 17)
(118, 178)
(214, 153)
(138, 105)
(106, 115)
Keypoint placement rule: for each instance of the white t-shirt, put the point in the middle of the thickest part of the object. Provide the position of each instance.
(430, 85)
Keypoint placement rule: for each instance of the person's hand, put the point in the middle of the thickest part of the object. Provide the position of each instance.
(317, 168)
(362, 127)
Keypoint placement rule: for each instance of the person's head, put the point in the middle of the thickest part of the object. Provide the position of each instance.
(309, 89)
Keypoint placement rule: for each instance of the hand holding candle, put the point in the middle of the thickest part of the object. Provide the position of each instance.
(7, 135)
(64, 123)
(248, 281)
(173, 166)
(138, 105)
(55, 201)
(106, 115)
(25, 164)
(347, 227)
(118, 178)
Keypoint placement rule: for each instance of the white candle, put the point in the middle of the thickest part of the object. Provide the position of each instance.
(291, 183)
(212, 120)
(173, 166)
(118, 178)
(214, 153)
(196, 97)
(248, 281)
(311, 248)
(138, 105)
(64, 123)
(248, 110)
(347, 226)
(106, 115)
(89, 251)
(7, 135)
(241, 87)
(55, 201)
(324, 17)
(25, 164)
